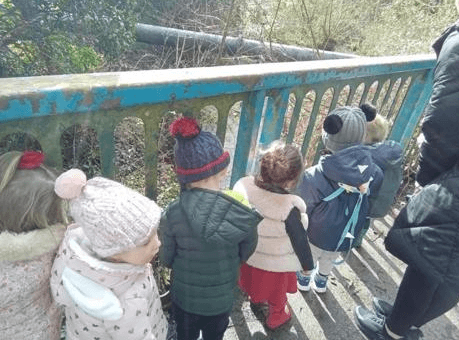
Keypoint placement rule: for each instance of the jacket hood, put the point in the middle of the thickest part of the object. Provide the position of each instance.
(438, 43)
(78, 256)
(352, 166)
(25, 246)
(386, 153)
(216, 217)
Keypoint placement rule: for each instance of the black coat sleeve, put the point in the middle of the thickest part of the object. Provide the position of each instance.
(440, 150)
(299, 239)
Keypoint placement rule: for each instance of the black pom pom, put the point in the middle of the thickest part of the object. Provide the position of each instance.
(369, 110)
(333, 124)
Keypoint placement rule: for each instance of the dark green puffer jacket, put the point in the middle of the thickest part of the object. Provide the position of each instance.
(205, 235)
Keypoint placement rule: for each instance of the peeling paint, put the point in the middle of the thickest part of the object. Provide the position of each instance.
(110, 104)
(105, 98)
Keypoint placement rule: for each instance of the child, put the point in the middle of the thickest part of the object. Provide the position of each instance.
(32, 224)
(336, 191)
(388, 155)
(283, 247)
(102, 274)
(378, 128)
(205, 235)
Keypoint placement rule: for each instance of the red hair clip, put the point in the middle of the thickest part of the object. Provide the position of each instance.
(31, 160)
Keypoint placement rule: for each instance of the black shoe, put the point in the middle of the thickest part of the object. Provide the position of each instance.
(373, 326)
(382, 308)
(370, 324)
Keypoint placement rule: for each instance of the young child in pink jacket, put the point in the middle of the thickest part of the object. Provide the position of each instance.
(102, 273)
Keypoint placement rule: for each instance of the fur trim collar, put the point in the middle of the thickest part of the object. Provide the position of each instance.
(76, 253)
(271, 205)
(25, 246)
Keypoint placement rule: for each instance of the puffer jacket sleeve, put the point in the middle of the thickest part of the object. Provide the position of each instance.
(247, 246)
(167, 250)
(58, 291)
(425, 232)
(440, 149)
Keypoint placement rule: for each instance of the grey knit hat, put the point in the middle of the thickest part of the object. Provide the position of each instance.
(198, 154)
(346, 126)
(114, 218)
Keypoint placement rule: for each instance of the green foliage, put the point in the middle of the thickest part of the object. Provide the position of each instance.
(168, 186)
(363, 27)
(80, 149)
(63, 36)
(185, 14)
(84, 58)
(65, 56)
(407, 27)
(312, 23)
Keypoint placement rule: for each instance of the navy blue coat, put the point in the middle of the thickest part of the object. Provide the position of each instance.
(388, 155)
(440, 126)
(327, 220)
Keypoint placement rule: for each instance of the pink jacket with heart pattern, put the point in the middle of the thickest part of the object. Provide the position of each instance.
(105, 300)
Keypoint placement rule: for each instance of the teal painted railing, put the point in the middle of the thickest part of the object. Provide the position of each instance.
(280, 100)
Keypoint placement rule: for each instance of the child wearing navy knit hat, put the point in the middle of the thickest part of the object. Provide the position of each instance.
(205, 235)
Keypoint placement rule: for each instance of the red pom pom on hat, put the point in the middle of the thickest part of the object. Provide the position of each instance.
(184, 127)
(31, 160)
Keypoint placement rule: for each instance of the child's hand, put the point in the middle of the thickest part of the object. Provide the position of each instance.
(363, 188)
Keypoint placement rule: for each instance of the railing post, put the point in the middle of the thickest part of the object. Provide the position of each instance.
(412, 108)
(274, 117)
(247, 135)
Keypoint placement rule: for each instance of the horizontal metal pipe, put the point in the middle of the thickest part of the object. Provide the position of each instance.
(159, 35)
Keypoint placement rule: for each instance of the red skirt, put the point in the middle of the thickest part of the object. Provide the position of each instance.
(264, 286)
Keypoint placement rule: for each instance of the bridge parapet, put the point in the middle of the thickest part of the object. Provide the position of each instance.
(270, 101)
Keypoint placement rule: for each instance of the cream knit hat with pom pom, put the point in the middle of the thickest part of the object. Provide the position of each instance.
(114, 218)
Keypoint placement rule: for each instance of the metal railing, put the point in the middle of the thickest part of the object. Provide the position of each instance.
(270, 101)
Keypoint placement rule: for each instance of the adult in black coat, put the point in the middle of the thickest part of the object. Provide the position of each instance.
(425, 236)
(440, 125)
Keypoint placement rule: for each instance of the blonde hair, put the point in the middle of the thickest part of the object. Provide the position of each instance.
(27, 198)
(280, 164)
(377, 130)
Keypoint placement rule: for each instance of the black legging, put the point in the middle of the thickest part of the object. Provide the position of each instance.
(420, 300)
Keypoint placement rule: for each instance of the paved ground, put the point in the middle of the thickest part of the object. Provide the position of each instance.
(370, 271)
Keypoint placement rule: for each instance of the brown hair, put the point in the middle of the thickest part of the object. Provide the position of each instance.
(27, 198)
(280, 164)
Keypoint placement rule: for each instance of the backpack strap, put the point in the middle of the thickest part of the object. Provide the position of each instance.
(352, 222)
(334, 194)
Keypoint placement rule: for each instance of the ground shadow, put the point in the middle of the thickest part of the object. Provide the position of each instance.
(243, 313)
(331, 316)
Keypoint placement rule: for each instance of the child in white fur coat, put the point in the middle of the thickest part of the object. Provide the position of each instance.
(283, 246)
(32, 222)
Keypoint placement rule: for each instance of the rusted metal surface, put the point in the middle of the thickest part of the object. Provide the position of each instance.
(270, 100)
